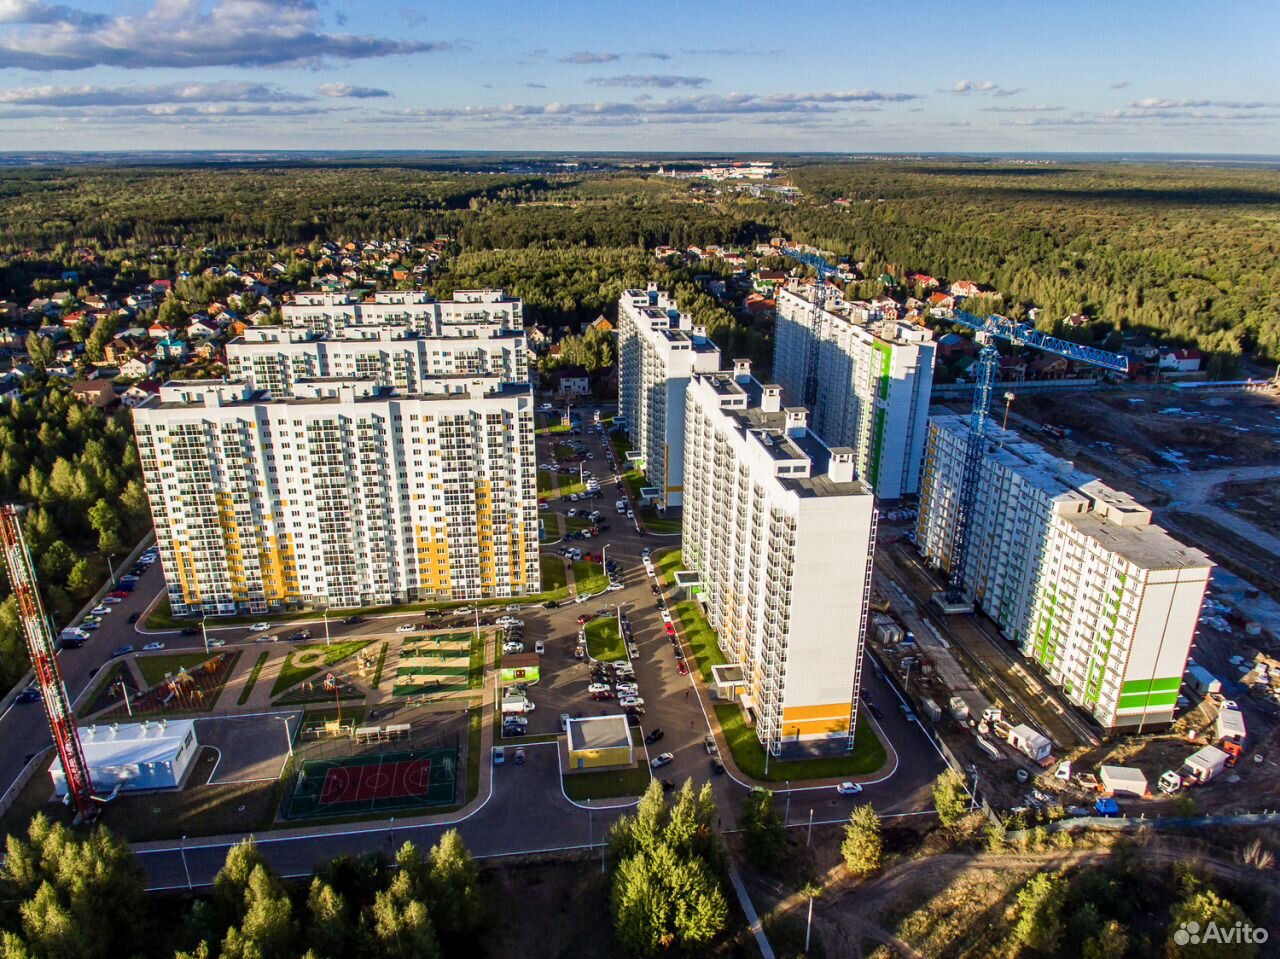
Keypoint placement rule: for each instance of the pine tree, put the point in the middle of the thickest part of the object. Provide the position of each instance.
(863, 845)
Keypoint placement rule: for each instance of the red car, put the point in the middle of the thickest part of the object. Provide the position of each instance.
(119, 594)
(671, 629)
(683, 667)
(595, 557)
(584, 619)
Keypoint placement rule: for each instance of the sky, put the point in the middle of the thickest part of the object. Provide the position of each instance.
(578, 75)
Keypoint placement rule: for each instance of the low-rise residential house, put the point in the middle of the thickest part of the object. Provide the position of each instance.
(118, 350)
(208, 349)
(1076, 320)
(573, 381)
(539, 338)
(1048, 366)
(139, 393)
(200, 330)
(159, 331)
(1012, 369)
(766, 281)
(954, 344)
(94, 392)
(138, 367)
(759, 305)
(601, 323)
(941, 304)
(1181, 361)
(964, 288)
(171, 348)
(924, 280)
(10, 387)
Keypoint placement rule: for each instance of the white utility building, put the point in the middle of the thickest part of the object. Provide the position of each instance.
(133, 756)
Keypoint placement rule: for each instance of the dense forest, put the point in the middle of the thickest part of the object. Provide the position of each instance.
(1189, 254)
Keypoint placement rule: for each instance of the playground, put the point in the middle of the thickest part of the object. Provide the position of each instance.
(387, 782)
(433, 664)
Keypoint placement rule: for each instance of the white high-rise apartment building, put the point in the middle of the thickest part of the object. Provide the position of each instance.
(658, 350)
(325, 314)
(866, 378)
(1073, 571)
(275, 357)
(346, 494)
(781, 535)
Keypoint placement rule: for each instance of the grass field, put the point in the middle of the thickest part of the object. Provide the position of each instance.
(589, 577)
(608, 783)
(253, 678)
(702, 639)
(553, 574)
(868, 753)
(444, 663)
(153, 668)
(604, 640)
(291, 673)
(658, 524)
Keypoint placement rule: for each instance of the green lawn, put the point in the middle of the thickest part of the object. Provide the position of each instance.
(607, 783)
(589, 577)
(253, 678)
(162, 617)
(578, 522)
(702, 639)
(553, 573)
(153, 668)
(668, 564)
(604, 641)
(475, 669)
(291, 673)
(868, 753)
(547, 481)
(659, 524)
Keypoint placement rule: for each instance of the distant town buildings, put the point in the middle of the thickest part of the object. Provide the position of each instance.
(781, 536)
(867, 378)
(347, 493)
(659, 349)
(1074, 572)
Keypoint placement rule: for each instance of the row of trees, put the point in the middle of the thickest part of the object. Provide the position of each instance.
(73, 897)
(76, 470)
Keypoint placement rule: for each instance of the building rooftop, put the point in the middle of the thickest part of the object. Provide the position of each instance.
(599, 732)
(118, 744)
(313, 391)
(866, 317)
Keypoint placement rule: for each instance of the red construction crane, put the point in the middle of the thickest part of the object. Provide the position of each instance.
(44, 661)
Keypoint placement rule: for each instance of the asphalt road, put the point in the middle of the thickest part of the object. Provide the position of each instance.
(526, 810)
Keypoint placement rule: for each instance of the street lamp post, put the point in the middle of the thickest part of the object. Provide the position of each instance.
(204, 631)
(786, 817)
(809, 841)
(808, 926)
(182, 850)
(288, 736)
(326, 626)
(111, 569)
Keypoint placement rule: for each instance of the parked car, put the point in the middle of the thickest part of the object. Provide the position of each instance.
(873, 709)
(100, 610)
(110, 600)
(848, 789)
(907, 713)
(661, 760)
(585, 618)
(709, 744)
(352, 620)
(627, 702)
(633, 650)
(654, 736)
(406, 627)
(299, 634)
(627, 689)
(513, 647)
(717, 766)
(599, 688)
(683, 667)
(267, 638)
(671, 629)
(153, 647)
(29, 695)
(564, 722)
(190, 631)
(213, 643)
(121, 651)
(519, 757)
(540, 647)
(259, 627)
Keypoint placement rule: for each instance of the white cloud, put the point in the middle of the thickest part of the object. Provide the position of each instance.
(660, 80)
(1028, 108)
(966, 87)
(339, 90)
(586, 56)
(179, 33)
(1164, 103)
(91, 96)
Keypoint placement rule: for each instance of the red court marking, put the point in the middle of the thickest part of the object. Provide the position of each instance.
(365, 783)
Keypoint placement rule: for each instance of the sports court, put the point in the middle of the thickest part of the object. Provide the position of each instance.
(431, 664)
(373, 784)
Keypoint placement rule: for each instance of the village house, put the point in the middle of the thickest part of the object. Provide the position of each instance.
(139, 393)
(94, 392)
(138, 367)
(1181, 360)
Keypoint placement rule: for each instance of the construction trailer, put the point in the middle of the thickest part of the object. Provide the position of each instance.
(135, 756)
(1201, 681)
(1123, 780)
(1203, 765)
(1029, 742)
(1231, 725)
(959, 709)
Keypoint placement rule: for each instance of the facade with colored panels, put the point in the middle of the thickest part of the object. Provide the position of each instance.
(347, 494)
(273, 358)
(866, 378)
(658, 350)
(781, 536)
(327, 314)
(1074, 572)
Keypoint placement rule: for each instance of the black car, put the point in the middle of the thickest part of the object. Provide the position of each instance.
(299, 635)
(717, 766)
(873, 709)
(654, 736)
(655, 589)
(72, 643)
(352, 620)
(190, 631)
(29, 695)
(551, 604)
(134, 617)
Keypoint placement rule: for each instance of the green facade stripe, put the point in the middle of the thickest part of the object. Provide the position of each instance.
(1154, 685)
(1142, 700)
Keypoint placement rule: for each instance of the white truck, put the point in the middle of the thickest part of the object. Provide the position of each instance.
(515, 705)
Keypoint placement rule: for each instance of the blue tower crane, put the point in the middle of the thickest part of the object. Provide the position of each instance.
(987, 330)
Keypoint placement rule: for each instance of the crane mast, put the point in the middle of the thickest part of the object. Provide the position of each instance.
(44, 662)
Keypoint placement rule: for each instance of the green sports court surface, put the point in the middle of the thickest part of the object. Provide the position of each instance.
(373, 784)
(433, 664)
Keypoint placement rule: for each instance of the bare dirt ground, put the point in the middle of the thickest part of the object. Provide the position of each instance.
(1257, 501)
